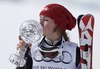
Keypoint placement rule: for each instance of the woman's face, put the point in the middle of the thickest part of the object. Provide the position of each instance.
(48, 25)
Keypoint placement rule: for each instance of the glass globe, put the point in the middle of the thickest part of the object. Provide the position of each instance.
(31, 31)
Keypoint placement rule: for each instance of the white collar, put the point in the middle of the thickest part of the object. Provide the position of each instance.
(52, 43)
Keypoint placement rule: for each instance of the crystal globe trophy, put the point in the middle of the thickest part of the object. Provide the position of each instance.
(31, 32)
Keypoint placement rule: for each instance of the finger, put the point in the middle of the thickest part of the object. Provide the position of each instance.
(19, 45)
(19, 37)
(21, 41)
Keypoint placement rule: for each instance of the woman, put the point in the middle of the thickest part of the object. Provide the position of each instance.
(55, 50)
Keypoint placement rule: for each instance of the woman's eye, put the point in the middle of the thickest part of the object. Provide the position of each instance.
(45, 20)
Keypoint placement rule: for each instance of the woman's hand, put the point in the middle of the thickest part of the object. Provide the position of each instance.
(21, 43)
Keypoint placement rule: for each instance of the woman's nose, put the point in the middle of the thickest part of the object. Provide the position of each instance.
(42, 22)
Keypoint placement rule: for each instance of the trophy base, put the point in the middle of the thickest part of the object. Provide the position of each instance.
(17, 60)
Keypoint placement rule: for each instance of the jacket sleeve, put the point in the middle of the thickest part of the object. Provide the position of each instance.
(28, 58)
(78, 57)
(19, 67)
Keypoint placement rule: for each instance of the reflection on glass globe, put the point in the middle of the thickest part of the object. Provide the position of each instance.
(31, 31)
